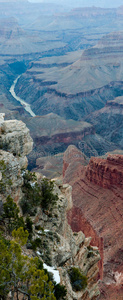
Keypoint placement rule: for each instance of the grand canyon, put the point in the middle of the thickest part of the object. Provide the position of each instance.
(61, 73)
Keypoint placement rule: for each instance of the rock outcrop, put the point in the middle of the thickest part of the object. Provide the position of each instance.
(106, 173)
(15, 138)
(10, 176)
(62, 248)
(97, 210)
(15, 144)
(68, 249)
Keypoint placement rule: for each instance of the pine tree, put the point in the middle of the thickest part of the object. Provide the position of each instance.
(21, 274)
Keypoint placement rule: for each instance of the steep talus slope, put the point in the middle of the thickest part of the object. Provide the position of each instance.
(97, 200)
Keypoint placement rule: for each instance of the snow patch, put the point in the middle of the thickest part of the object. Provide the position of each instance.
(53, 271)
(38, 252)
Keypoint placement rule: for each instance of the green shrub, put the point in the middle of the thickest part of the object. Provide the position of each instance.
(4, 182)
(60, 292)
(38, 227)
(10, 215)
(90, 252)
(28, 226)
(35, 194)
(78, 280)
(48, 198)
(36, 244)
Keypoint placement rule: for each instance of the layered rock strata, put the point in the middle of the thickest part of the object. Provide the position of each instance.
(106, 173)
(97, 210)
(63, 248)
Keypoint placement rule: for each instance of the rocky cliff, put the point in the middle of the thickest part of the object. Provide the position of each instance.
(97, 211)
(63, 248)
(106, 173)
(15, 144)
(68, 249)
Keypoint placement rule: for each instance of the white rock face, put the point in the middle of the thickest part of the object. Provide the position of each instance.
(15, 144)
(15, 138)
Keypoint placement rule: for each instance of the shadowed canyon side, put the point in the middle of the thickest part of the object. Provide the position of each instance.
(97, 191)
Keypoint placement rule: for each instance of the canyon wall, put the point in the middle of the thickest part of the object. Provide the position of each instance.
(97, 209)
(63, 248)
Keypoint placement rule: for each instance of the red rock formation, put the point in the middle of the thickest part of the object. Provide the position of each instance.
(106, 173)
(97, 210)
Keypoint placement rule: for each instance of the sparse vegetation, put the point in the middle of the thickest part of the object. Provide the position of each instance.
(10, 216)
(60, 292)
(4, 181)
(37, 194)
(78, 280)
(20, 274)
(90, 252)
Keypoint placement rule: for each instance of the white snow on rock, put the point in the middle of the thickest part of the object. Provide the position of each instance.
(53, 271)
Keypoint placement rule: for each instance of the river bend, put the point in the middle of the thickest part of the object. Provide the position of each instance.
(26, 106)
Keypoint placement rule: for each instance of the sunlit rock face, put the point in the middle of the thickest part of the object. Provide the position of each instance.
(97, 193)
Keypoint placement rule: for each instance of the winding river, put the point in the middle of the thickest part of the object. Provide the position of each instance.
(26, 106)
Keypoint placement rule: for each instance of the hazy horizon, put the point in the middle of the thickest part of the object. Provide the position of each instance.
(84, 3)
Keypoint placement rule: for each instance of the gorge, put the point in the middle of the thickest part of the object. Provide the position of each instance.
(25, 104)
(61, 74)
